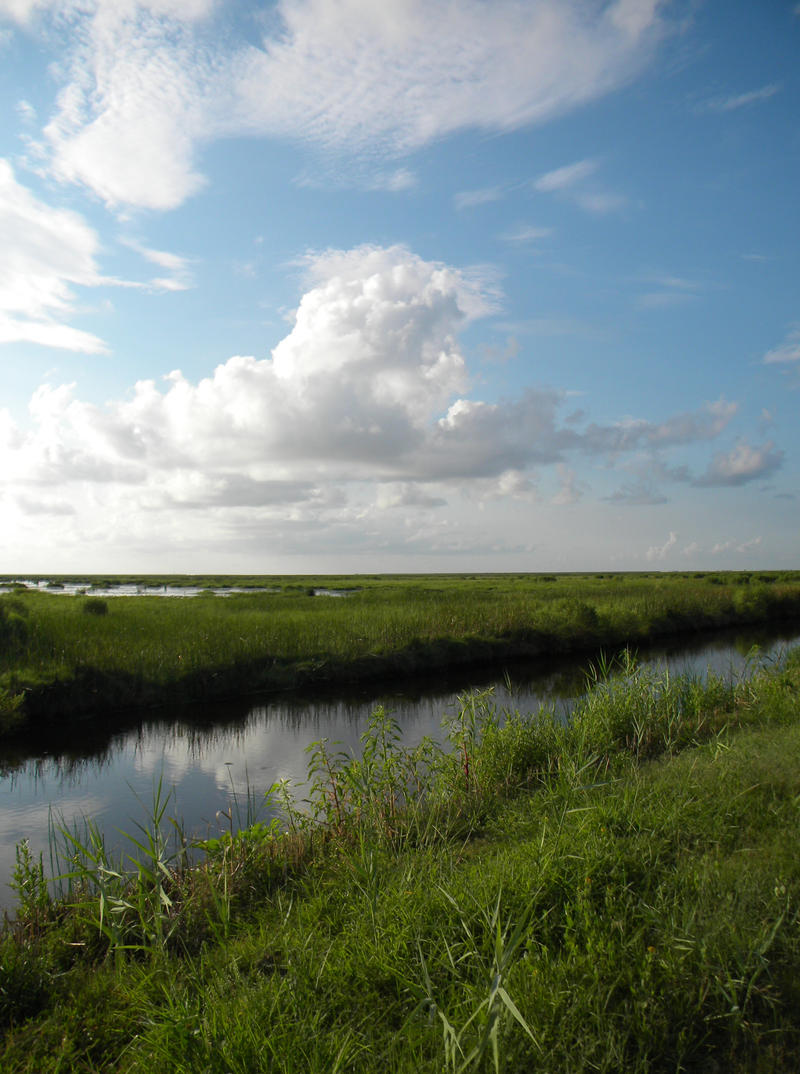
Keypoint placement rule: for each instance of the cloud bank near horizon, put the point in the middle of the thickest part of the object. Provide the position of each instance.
(365, 405)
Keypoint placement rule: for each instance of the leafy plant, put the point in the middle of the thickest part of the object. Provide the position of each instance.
(483, 1031)
(30, 886)
(129, 903)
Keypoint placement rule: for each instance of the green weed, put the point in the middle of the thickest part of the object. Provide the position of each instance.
(621, 892)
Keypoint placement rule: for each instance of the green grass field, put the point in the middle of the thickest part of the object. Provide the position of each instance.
(62, 655)
(622, 893)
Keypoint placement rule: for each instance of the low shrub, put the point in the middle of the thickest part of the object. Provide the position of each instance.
(95, 606)
(13, 623)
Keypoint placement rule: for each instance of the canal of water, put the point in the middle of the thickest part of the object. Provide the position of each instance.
(210, 758)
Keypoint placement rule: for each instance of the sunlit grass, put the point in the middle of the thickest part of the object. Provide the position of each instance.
(619, 893)
(60, 657)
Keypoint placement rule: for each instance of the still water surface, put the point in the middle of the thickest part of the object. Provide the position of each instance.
(208, 757)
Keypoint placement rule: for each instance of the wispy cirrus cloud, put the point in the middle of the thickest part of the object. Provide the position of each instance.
(523, 234)
(661, 300)
(786, 353)
(394, 181)
(47, 252)
(639, 493)
(469, 199)
(733, 102)
(49, 334)
(600, 202)
(565, 177)
(403, 76)
(570, 181)
(553, 326)
(671, 291)
(138, 98)
(179, 276)
(141, 94)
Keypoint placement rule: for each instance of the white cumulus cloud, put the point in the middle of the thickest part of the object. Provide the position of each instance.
(741, 464)
(659, 552)
(372, 358)
(366, 405)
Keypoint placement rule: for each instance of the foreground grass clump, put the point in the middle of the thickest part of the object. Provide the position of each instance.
(622, 893)
(65, 656)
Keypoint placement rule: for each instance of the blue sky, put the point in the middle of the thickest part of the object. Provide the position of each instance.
(327, 285)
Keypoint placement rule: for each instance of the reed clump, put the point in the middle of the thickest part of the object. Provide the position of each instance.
(620, 892)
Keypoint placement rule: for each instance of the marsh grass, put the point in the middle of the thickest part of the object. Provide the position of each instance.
(56, 661)
(617, 893)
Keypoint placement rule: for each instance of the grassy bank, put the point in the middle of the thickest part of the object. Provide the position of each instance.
(619, 894)
(62, 657)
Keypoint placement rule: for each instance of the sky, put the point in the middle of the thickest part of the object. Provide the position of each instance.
(426, 285)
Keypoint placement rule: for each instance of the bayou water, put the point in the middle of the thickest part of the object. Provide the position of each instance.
(214, 759)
